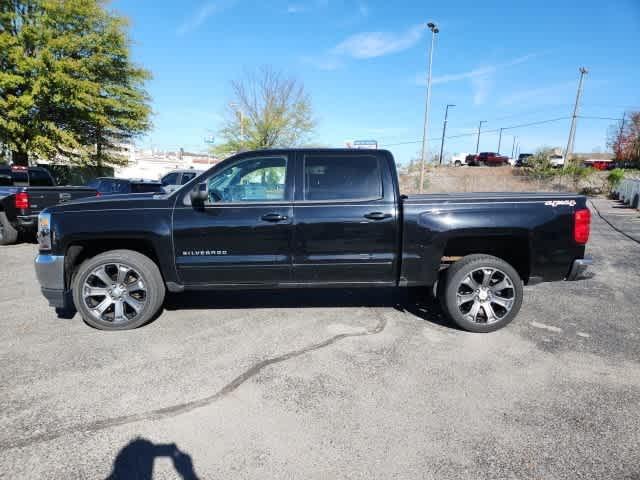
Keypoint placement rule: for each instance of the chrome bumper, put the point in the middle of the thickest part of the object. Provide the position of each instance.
(50, 273)
(578, 267)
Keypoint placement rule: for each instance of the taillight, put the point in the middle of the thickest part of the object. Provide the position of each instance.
(22, 200)
(98, 194)
(581, 225)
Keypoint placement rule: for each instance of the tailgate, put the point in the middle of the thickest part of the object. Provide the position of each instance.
(43, 197)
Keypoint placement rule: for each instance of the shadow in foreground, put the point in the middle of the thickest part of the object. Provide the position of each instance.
(135, 461)
(415, 301)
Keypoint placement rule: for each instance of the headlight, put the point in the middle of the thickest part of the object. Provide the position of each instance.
(44, 231)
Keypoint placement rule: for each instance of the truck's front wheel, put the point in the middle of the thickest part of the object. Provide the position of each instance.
(118, 290)
(482, 293)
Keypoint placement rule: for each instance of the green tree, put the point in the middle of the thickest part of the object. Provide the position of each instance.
(67, 85)
(268, 110)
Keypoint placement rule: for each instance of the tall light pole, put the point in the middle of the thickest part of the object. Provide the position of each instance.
(425, 132)
(500, 140)
(444, 130)
(513, 148)
(574, 117)
(479, 130)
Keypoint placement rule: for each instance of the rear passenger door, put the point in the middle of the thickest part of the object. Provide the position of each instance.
(345, 222)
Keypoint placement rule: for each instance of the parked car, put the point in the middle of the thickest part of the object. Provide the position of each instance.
(308, 218)
(460, 159)
(485, 159)
(173, 180)
(557, 160)
(523, 159)
(24, 192)
(118, 186)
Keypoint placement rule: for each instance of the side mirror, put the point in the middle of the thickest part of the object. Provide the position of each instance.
(199, 194)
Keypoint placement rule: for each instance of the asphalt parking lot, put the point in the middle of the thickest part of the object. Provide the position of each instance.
(328, 384)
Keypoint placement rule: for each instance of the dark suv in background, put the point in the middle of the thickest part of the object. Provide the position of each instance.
(117, 186)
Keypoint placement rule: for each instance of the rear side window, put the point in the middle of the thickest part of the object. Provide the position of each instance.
(5, 177)
(187, 177)
(40, 178)
(338, 177)
(146, 187)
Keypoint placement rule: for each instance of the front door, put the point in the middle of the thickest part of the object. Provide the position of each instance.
(242, 233)
(346, 226)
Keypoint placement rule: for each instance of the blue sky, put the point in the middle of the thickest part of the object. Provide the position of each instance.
(364, 64)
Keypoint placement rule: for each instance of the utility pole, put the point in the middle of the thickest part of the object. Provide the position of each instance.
(576, 108)
(513, 148)
(444, 130)
(619, 147)
(500, 140)
(425, 132)
(479, 130)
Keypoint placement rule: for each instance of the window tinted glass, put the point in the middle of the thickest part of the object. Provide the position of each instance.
(170, 179)
(40, 178)
(5, 177)
(20, 178)
(106, 186)
(342, 177)
(186, 177)
(146, 187)
(252, 180)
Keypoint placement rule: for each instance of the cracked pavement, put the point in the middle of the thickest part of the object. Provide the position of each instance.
(328, 384)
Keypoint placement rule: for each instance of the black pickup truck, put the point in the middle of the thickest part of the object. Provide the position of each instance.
(307, 218)
(24, 193)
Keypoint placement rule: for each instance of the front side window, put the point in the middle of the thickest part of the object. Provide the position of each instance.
(170, 179)
(251, 180)
(352, 177)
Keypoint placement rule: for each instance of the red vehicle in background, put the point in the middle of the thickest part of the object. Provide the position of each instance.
(599, 164)
(487, 159)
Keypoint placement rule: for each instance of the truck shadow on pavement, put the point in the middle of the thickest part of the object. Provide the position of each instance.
(415, 302)
(135, 461)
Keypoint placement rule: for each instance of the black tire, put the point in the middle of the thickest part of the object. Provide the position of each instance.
(453, 284)
(8, 234)
(142, 268)
(457, 163)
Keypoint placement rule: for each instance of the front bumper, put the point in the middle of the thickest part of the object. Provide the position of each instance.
(50, 273)
(578, 267)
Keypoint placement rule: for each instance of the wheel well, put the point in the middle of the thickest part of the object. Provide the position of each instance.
(78, 252)
(514, 250)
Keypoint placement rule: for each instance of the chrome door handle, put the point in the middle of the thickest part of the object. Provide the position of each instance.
(274, 217)
(377, 215)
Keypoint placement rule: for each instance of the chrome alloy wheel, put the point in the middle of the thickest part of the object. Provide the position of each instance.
(486, 295)
(114, 292)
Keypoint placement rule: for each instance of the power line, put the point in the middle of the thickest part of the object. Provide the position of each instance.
(473, 134)
(600, 118)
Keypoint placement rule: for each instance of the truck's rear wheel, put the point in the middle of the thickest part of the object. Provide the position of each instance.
(8, 234)
(118, 290)
(482, 293)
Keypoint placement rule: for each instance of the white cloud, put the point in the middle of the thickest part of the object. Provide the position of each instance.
(477, 72)
(551, 94)
(482, 77)
(201, 15)
(377, 44)
(481, 87)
